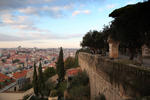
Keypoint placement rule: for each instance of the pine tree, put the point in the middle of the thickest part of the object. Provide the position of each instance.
(60, 66)
(40, 80)
(35, 81)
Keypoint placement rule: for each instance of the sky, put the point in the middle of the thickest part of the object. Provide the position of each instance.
(53, 23)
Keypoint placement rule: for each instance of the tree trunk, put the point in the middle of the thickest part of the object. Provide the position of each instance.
(93, 50)
(132, 53)
(140, 58)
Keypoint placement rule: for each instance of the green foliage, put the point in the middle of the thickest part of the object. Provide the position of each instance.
(79, 93)
(3, 60)
(49, 72)
(54, 93)
(93, 41)
(16, 61)
(35, 81)
(131, 26)
(61, 88)
(60, 66)
(80, 79)
(79, 87)
(41, 82)
(48, 87)
(70, 62)
(96, 41)
(87, 50)
(88, 40)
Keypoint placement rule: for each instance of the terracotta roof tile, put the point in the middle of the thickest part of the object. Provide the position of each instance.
(73, 71)
(3, 77)
(18, 75)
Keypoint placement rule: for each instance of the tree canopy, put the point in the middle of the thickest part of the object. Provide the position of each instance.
(131, 25)
(49, 72)
(60, 66)
(71, 62)
(95, 41)
(41, 82)
(35, 81)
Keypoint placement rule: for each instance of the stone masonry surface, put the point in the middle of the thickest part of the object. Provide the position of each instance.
(116, 81)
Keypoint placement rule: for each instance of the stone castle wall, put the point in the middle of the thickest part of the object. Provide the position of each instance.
(116, 81)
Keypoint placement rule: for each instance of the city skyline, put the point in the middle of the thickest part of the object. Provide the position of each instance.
(53, 23)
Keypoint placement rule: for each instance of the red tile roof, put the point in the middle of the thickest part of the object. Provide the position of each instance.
(18, 75)
(2, 80)
(73, 71)
(3, 77)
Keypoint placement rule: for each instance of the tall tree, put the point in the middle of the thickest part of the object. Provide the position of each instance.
(40, 80)
(35, 81)
(131, 26)
(95, 41)
(69, 63)
(60, 66)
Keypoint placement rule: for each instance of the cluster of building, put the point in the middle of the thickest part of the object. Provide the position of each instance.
(16, 65)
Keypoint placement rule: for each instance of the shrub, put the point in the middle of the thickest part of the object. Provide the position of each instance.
(54, 93)
(79, 87)
(100, 97)
(49, 72)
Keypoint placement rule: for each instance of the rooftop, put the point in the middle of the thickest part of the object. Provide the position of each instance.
(18, 75)
(3, 77)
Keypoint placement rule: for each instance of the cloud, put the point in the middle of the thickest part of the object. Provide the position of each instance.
(28, 10)
(45, 10)
(19, 14)
(19, 22)
(131, 2)
(6, 4)
(100, 10)
(110, 6)
(4, 37)
(15, 20)
(77, 12)
(23, 14)
(32, 36)
(36, 36)
(16, 4)
(52, 11)
(52, 8)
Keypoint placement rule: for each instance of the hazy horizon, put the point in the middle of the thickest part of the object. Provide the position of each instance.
(38, 48)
